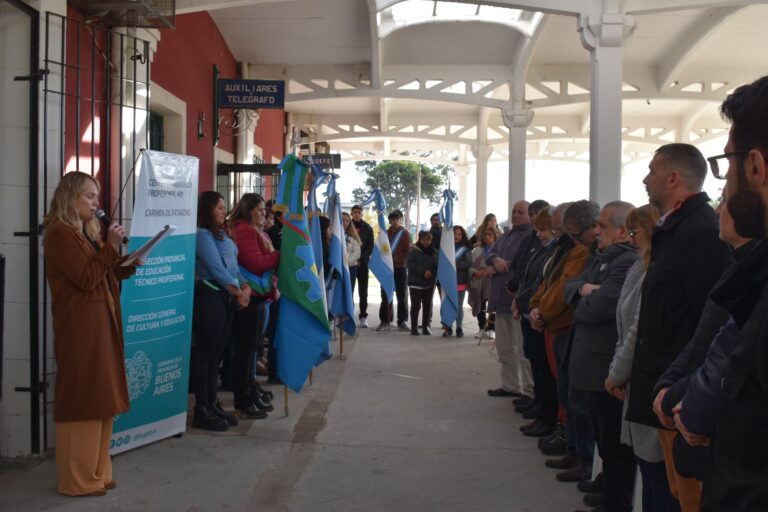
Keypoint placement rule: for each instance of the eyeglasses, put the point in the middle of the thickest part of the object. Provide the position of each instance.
(634, 231)
(714, 165)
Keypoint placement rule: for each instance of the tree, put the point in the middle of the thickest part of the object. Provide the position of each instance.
(398, 180)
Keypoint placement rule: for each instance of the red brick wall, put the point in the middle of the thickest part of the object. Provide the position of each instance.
(183, 65)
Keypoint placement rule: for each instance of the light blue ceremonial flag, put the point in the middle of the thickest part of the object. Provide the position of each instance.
(303, 335)
(446, 264)
(315, 230)
(381, 263)
(339, 284)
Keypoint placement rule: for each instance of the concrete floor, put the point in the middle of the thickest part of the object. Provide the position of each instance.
(402, 423)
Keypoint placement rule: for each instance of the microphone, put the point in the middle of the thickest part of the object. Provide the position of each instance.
(106, 221)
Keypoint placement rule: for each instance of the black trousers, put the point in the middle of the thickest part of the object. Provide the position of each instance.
(274, 311)
(249, 334)
(536, 353)
(211, 326)
(386, 312)
(421, 298)
(619, 462)
(546, 394)
(361, 276)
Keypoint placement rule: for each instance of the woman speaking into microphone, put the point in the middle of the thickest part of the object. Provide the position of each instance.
(91, 383)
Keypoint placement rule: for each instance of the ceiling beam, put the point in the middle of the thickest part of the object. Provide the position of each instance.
(189, 6)
(688, 41)
(658, 6)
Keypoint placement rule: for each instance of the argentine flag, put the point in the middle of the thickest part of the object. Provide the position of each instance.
(339, 284)
(381, 263)
(446, 264)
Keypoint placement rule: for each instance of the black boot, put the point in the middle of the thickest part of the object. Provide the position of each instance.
(252, 413)
(216, 410)
(205, 420)
(262, 405)
(258, 391)
(426, 331)
(459, 332)
(414, 330)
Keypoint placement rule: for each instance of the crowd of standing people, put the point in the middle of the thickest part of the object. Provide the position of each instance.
(639, 331)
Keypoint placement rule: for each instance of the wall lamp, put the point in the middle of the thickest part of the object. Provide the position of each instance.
(200, 125)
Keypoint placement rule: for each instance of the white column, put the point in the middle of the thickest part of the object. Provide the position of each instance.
(517, 121)
(482, 154)
(603, 35)
(462, 171)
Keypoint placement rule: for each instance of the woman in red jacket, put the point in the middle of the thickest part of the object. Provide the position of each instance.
(258, 257)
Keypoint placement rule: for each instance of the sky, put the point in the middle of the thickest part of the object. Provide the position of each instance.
(551, 180)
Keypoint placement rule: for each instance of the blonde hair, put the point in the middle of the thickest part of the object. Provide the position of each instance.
(644, 217)
(62, 207)
(480, 231)
(351, 231)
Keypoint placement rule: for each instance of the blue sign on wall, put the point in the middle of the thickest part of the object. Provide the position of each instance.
(251, 93)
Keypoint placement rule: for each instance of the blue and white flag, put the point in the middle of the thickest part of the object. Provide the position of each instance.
(315, 230)
(381, 263)
(446, 264)
(338, 283)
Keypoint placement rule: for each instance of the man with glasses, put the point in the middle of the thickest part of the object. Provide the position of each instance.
(595, 293)
(739, 444)
(687, 258)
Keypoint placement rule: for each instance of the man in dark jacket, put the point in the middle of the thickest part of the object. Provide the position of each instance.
(739, 445)
(687, 258)
(593, 339)
(436, 230)
(697, 372)
(533, 341)
(365, 232)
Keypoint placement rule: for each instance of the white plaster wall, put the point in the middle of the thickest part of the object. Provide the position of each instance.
(15, 419)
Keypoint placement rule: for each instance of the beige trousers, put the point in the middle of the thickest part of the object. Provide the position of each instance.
(83, 465)
(515, 368)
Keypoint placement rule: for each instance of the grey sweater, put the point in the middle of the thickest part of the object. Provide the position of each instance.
(644, 440)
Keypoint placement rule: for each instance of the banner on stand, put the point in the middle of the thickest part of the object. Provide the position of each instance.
(157, 302)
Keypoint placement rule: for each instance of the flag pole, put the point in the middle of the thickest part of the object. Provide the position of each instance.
(285, 400)
(341, 343)
(311, 376)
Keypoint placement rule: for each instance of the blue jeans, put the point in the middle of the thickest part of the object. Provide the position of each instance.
(460, 316)
(579, 429)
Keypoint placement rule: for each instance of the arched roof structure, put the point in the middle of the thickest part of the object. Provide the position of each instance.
(466, 81)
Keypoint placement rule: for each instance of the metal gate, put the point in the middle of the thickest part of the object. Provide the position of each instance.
(95, 120)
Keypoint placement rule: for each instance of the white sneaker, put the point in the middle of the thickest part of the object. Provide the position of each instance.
(491, 335)
(363, 323)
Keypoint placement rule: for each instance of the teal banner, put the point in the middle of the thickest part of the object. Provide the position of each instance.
(157, 302)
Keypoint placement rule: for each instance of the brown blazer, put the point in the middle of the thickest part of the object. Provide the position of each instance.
(550, 296)
(87, 328)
